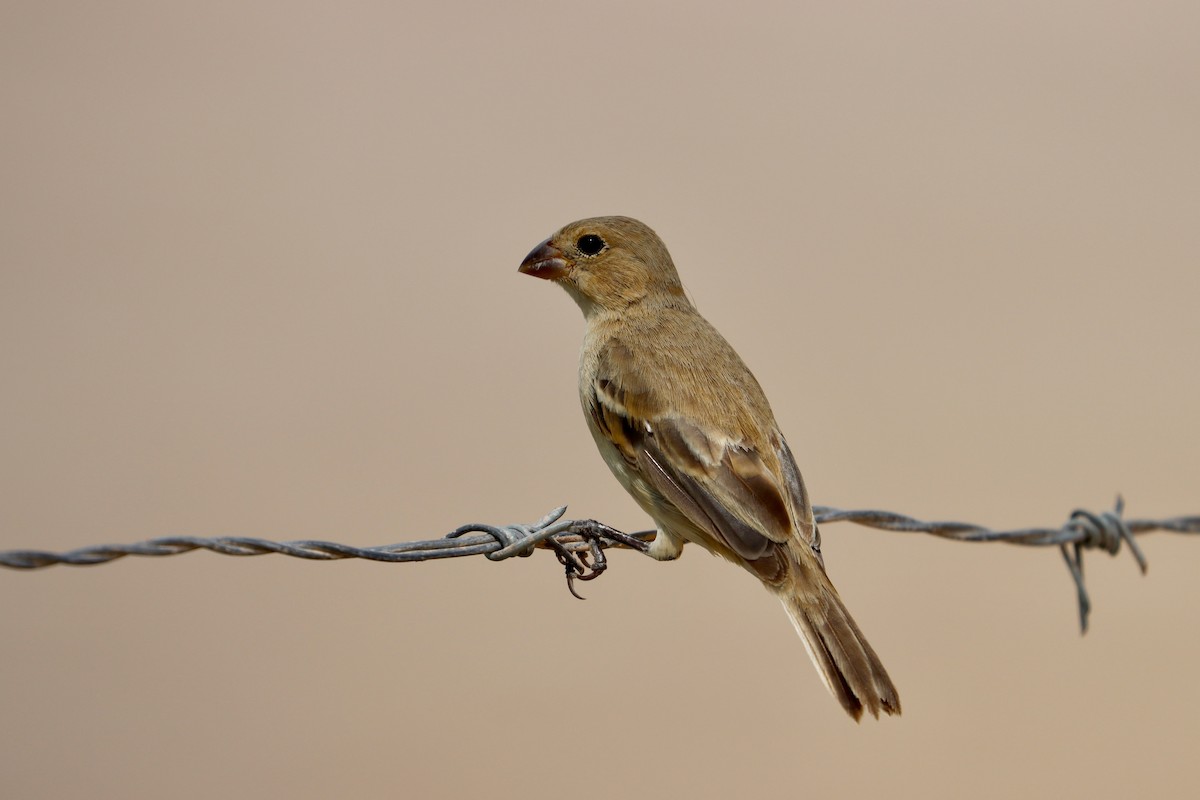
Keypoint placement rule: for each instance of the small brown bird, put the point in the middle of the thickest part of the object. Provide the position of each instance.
(687, 431)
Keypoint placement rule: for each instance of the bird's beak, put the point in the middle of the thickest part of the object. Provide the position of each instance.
(545, 261)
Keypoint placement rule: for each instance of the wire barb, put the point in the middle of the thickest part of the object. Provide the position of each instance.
(579, 544)
(1100, 531)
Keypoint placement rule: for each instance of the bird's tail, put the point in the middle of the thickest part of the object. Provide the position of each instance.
(851, 670)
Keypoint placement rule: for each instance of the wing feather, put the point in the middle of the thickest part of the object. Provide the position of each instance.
(724, 487)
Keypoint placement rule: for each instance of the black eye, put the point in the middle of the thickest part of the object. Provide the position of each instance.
(590, 244)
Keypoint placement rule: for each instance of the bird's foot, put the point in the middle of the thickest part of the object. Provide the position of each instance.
(589, 562)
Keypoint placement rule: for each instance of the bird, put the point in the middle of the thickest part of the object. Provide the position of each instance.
(688, 432)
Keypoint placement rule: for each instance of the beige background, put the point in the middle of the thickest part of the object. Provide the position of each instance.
(259, 277)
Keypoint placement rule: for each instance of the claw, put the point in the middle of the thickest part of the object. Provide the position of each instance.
(571, 584)
(572, 564)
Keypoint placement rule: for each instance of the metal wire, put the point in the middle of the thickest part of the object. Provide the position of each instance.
(579, 544)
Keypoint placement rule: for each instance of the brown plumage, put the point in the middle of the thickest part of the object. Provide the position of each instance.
(687, 431)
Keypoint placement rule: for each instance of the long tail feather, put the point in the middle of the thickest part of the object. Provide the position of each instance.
(851, 670)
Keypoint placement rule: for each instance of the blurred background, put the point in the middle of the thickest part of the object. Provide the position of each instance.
(258, 277)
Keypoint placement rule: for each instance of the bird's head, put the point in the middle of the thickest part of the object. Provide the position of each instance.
(606, 263)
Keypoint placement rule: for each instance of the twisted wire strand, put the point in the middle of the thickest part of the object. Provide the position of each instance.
(579, 543)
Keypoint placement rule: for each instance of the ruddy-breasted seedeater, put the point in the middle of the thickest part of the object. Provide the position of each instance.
(687, 431)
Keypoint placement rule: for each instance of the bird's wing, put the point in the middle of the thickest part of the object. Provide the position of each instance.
(723, 485)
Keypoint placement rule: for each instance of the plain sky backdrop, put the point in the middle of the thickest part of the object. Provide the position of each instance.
(258, 276)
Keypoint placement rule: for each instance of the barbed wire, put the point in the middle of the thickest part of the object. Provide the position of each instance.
(579, 544)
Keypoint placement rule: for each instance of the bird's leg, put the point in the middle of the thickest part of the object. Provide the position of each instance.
(592, 531)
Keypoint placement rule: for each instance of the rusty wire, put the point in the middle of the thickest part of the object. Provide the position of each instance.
(579, 544)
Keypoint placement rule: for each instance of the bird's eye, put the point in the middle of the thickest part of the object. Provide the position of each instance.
(590, 244)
